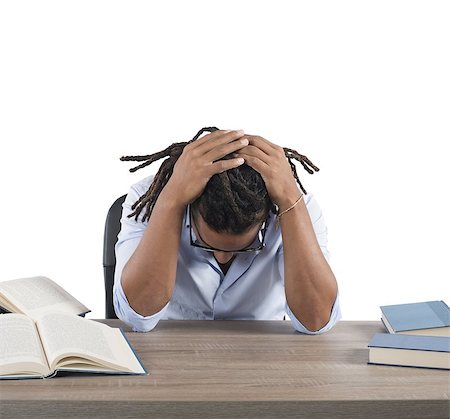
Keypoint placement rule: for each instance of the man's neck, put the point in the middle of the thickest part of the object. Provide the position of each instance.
(225, 266)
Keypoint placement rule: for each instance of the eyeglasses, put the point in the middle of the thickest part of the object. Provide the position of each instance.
(259, 245)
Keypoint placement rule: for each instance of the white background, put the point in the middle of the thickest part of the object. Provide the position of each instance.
(362, 88)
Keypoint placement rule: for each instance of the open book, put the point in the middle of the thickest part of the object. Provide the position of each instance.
(62, 342)
(37, 295)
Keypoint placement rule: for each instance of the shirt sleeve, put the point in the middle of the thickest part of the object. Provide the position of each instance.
(321, 231)
(128, 239)
(334, 318)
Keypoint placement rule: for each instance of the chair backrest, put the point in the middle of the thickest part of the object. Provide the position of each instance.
(112, 228)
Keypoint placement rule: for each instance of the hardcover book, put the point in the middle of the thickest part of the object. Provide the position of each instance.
(408, 350)
(431, 318)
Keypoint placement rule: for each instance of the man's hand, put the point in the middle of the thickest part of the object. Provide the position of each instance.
(270, 161)
(198, 163)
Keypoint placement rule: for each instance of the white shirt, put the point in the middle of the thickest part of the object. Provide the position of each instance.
(252, 288)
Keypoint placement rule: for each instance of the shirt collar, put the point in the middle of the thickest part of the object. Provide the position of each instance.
(186, 216)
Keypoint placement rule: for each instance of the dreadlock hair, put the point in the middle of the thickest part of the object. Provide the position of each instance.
(232, 201)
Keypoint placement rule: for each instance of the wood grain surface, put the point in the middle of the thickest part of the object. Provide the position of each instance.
(241, 369)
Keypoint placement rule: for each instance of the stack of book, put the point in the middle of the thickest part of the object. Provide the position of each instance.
(418, 335)
(43, 333)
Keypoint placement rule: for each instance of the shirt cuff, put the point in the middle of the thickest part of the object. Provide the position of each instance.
(334, 318)
(126, 313)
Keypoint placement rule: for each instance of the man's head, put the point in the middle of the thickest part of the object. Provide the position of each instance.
(231, 211)
(233, 206)
(234, 201)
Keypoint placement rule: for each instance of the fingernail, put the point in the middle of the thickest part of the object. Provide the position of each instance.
(240, 160)
(244, 141)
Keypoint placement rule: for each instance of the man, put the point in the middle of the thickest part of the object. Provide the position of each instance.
(227, 234)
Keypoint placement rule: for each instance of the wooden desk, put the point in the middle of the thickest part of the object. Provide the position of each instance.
(223, 369)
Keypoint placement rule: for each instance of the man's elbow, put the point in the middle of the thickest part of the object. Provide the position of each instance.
(316, 324)
(135, 321)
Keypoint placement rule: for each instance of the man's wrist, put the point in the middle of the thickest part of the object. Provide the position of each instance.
(288, 200)
(171, 199)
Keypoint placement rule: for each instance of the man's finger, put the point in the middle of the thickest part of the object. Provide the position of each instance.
(265, 144)
(223, 150)
(207, 137)
(223, 165)
(253, 151)
(217, 141)
(256, 164)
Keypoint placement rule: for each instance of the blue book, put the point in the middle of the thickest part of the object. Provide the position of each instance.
(410, 351)
(430, 318)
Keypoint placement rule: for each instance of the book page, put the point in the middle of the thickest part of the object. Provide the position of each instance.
(21, 349)
(36, 295)
(435, 331)
(65, 336)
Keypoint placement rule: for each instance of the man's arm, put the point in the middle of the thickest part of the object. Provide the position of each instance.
(310, 286)
(148, 277)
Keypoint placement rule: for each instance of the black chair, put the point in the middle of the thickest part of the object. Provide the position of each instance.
(112, 228)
